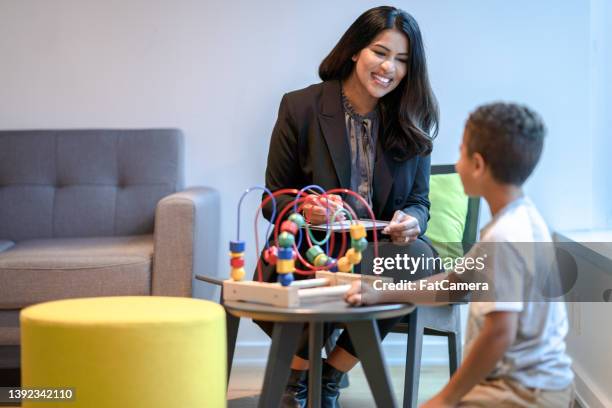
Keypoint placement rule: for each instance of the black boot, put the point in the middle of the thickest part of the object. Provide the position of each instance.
(296, 392)
(330, 386)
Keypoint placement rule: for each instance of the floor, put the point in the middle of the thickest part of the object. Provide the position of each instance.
(245, 386)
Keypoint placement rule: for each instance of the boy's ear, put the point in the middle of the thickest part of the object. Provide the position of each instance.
(479, 164)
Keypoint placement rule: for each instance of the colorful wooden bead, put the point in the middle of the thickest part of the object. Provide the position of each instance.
(332, 261)
(313, 252)
(236, 254)
(285, 266)
(353, 256)
(270, 255)
(359, 244)
(297, 219)
(344, 265)
(285, 253)
(286, 240)
(237, 274)
(237, 246)
(289, 226)
(285, 279)
(358, 231)
(320, 260)
(237, 262)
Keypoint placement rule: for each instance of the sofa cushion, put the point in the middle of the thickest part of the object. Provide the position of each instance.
(47, 269)
(85, 182)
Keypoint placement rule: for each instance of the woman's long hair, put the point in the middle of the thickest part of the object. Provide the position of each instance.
(410, 112)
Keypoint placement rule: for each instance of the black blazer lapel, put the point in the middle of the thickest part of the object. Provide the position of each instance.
(333, 127)
(384, 174)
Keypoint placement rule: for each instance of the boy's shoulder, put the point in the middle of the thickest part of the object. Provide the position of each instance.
(519, 221)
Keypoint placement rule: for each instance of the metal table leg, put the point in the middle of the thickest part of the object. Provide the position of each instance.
(285, 338)
(366, 339)
(315, 343)
(232, 322)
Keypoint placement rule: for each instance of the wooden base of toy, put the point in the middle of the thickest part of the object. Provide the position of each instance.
(326, 286)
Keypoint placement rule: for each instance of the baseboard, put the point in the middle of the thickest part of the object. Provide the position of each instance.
(435, 352)
(587, 394)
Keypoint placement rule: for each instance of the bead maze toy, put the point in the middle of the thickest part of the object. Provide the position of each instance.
(332, 277)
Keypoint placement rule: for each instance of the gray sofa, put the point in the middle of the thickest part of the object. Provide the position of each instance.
(98, 213)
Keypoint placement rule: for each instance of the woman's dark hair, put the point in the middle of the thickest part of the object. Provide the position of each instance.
(409, 113)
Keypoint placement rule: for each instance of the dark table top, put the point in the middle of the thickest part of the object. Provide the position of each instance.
(336, 311)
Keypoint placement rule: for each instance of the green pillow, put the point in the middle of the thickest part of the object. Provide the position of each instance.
(449, 207)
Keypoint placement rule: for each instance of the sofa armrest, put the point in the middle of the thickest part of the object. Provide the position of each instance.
(186, 241)
(5, 244)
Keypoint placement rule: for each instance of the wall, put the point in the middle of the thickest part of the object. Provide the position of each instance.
(589, 340)
(217, 69)
(601, 112)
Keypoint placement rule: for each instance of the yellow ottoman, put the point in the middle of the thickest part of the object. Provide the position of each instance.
(126, 352)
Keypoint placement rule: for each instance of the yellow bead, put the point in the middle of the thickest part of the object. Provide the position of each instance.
(237, 274)
(236, 254)
(344, 265)
(285, 266)
(358, 231)
(320, 260)
(353, 256)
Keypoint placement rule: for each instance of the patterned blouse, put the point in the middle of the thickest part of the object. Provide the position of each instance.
(361, 131)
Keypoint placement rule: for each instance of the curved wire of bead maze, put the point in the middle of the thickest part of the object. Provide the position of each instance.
(284, 252)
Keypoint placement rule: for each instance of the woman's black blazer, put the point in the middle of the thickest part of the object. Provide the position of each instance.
(309, 145)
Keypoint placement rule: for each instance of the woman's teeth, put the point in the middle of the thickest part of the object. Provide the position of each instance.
(382, 80)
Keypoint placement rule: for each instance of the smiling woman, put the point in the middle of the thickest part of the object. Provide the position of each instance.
(367, 127)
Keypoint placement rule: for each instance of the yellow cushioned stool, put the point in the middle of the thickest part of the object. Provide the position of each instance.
(126, 352)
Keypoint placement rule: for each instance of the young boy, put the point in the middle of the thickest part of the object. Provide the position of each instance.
(515, 350)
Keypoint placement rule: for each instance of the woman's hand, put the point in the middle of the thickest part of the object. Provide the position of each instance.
(361, 293)
(403, 228)
(318, 208)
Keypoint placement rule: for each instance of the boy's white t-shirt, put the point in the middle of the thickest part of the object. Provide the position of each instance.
(537, 357)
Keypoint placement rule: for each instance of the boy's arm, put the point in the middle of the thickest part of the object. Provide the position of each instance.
(498, 333)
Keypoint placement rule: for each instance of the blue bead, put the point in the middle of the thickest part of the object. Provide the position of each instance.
(333, 268)
(285, 253)
(285, 279)
(237, 246)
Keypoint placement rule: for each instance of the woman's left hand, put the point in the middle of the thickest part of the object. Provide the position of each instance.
(403, 228)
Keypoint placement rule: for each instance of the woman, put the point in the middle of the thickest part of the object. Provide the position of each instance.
(367, 127)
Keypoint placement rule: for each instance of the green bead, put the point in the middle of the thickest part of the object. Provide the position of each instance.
(359, 245)
(286, 240)
(313, 252)
(297, 219)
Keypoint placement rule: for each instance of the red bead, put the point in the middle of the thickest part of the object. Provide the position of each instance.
(289, 226)
(237, 262)
(270, 255)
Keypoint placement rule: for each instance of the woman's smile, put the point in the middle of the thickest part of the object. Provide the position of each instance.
(382, 80)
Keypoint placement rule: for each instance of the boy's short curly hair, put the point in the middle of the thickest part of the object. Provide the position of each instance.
(509, 137)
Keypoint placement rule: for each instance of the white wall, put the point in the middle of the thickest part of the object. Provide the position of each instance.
(217, 69)
(590, 333)
(601, 112)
